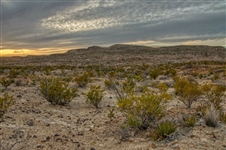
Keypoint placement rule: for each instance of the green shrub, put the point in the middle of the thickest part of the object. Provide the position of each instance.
(56, 91)
(128, 86)
(108, 84)
(111, 113)
(187, 91)
(146, 108)
(142, 88)
(5, 102)
(189, 121)
(214, 94)
(5, 82)
(82, 80)
(13, 73)
(223, 117)
(94, 96)
(215, 77)
(171, 71)
(164, 129)
(154, 73)
(133, 121)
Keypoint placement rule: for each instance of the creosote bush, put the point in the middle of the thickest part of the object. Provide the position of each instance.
(5, 102)
(154, 73)
(214, 94)
(5, 82)
(94, 95)
(128, 86)
(108, 84)
(56, 91)
(187, 91)
(142, 110)
(223, 117)
(13, 73)
(82, 80)
(111, 113)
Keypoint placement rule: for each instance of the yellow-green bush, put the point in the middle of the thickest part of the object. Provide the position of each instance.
(111, 113)
(128, 86)
(13, 73)
(154, 73)
(94, 95)
(5, 102)
(82, 80)
(108, 84)
(214, 94)
(187, 91)
(5, 82)
(57, 91)
(223, 117)
(143, 109)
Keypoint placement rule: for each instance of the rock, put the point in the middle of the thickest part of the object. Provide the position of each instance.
(174, 142)
(204, 140)
(19, 96)
(148, 134)
(80, 133)
(59, 139)
(30, 122)
(40, 146)
(153, 145)
(47, 138)
(60, 116)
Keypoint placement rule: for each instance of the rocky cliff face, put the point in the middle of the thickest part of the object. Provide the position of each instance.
(124, 54)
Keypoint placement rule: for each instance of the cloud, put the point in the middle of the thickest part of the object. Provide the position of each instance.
(73, 24)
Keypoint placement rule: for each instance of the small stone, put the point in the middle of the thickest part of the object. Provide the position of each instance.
(153, 145)
(47, 138)
(174, 142)
(40, 146)
(147, 134)
(80, 133)
(58, 139)
(60, 116)
(19, 96)
(204, 140)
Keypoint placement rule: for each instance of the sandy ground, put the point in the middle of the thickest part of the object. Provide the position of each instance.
(33, 123)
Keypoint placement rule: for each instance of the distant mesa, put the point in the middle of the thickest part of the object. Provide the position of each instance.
(125, 54)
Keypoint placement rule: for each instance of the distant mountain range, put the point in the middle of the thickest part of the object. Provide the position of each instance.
(124, 54)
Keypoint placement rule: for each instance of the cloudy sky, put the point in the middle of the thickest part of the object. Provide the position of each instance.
(52, 26)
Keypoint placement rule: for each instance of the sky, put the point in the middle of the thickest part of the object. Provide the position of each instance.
(34, 27)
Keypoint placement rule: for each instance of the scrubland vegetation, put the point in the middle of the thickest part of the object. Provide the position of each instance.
(141, 95)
